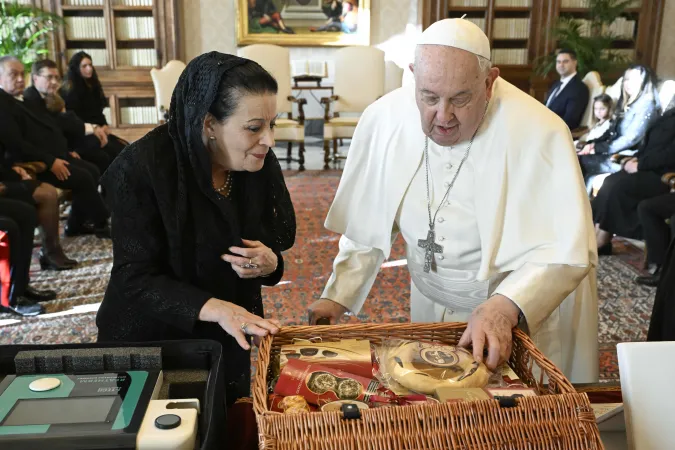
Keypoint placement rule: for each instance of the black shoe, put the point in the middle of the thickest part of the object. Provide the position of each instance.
(650, 280)
(103, 232)
(80, 230)
(48, 262)
(39, 295)
(605, 250)
(24, 307)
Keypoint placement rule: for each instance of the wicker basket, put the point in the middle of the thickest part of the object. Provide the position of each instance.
(559, 418)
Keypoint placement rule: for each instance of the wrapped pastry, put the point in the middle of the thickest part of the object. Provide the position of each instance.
(294, 404)
(425, 366)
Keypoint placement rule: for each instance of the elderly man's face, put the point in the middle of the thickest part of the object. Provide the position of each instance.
(451, 93)
(12, 78)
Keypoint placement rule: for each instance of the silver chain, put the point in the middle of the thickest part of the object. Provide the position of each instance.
(432, 222)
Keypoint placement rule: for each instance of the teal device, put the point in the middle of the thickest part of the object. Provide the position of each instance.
(86, 411)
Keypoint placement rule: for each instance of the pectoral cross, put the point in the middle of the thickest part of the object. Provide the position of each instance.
(430, 247)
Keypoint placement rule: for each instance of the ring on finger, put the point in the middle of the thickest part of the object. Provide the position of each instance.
(244, 327)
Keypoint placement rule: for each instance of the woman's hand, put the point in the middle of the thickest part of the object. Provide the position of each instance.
(237, 322)
(106, 130)
(256, 260)
(589, 149)
(22, 173)
(631, 165)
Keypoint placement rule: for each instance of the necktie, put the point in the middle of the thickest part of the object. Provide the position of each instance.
(554, 94)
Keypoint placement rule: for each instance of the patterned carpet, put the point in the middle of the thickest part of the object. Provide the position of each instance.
(624, 306)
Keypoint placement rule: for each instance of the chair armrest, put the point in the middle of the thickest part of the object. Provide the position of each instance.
(578, 132)
(301, 112)
(33, 167)
(669, 179)
(326, 101)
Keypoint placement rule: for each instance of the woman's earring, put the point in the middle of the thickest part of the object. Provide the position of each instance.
(213, 138)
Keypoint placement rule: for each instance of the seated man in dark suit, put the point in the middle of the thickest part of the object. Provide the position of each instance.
(568, 97)
(26, 137)
(88, 140)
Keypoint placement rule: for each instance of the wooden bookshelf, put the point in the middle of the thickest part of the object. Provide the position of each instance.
(515, 55)
(137, 36)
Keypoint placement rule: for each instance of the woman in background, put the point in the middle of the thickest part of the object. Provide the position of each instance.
(83, 94)
(637, 108)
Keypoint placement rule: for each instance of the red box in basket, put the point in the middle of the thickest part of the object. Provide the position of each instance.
(320, 384)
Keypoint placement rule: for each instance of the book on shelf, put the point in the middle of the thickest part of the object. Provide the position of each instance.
(85, 28)
(311, 68)
(135, 27)
(509, 56)
(586, 4)
(513, 3)
(140, 57)
(99, 56)
(138, 115)
(511, 29)
(132, 2)
(83, 2)
(469, 3)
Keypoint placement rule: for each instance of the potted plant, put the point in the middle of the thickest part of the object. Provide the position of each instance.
(25, 30)
(591, 38)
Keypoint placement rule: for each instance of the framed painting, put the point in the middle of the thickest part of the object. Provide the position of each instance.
(303, 22)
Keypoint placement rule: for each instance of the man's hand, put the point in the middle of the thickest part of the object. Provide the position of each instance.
(100, 133)
(325, 308)
(589, 149)
(60, 169)
(492, 324)
(22, 173)
(631, 166)
(3, 188)
(75, 155)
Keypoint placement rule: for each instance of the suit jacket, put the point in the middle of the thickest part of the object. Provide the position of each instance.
(26, 136)
(70, 125)
(570, 103)
(662, 323)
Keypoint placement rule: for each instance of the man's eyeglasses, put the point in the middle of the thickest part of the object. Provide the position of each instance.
(51, 77)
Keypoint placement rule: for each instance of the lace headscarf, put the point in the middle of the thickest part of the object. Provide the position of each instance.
(264, 192)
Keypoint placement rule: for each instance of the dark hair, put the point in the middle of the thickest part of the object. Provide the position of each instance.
(248, 78)
(605, 99)
(42, 64)
(568, 51)
(75, 82)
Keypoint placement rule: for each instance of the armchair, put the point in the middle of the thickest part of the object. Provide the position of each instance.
(277, 61)
(359, 81)
(595, 88)
(164, 81)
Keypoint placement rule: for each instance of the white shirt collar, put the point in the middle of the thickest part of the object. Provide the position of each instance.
(565, 80)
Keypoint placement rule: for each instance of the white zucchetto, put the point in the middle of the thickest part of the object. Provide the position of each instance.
(458, 33)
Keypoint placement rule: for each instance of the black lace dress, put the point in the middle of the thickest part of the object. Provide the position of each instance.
(170, 228)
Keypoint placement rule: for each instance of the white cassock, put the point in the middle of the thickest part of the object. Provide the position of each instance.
(517, 221)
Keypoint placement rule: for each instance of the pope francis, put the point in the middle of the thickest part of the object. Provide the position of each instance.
(483, 183)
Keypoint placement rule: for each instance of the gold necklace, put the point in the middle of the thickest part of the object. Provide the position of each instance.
(226, 188)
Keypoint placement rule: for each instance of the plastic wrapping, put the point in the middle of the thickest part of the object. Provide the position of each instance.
(422, 367)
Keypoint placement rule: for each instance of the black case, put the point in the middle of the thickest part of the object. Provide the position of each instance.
(176, 355)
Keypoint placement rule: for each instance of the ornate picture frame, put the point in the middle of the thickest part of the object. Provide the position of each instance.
(306, 23)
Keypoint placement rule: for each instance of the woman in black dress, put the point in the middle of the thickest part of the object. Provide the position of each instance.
(83, 94)
(615, 208)
(200, 216)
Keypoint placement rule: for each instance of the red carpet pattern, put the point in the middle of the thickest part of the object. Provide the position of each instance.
(624, 306)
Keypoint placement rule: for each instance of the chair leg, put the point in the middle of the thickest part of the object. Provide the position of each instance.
(342, 143)
(335, 149)
(289, 153)
(301, 158)
(326, 155)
